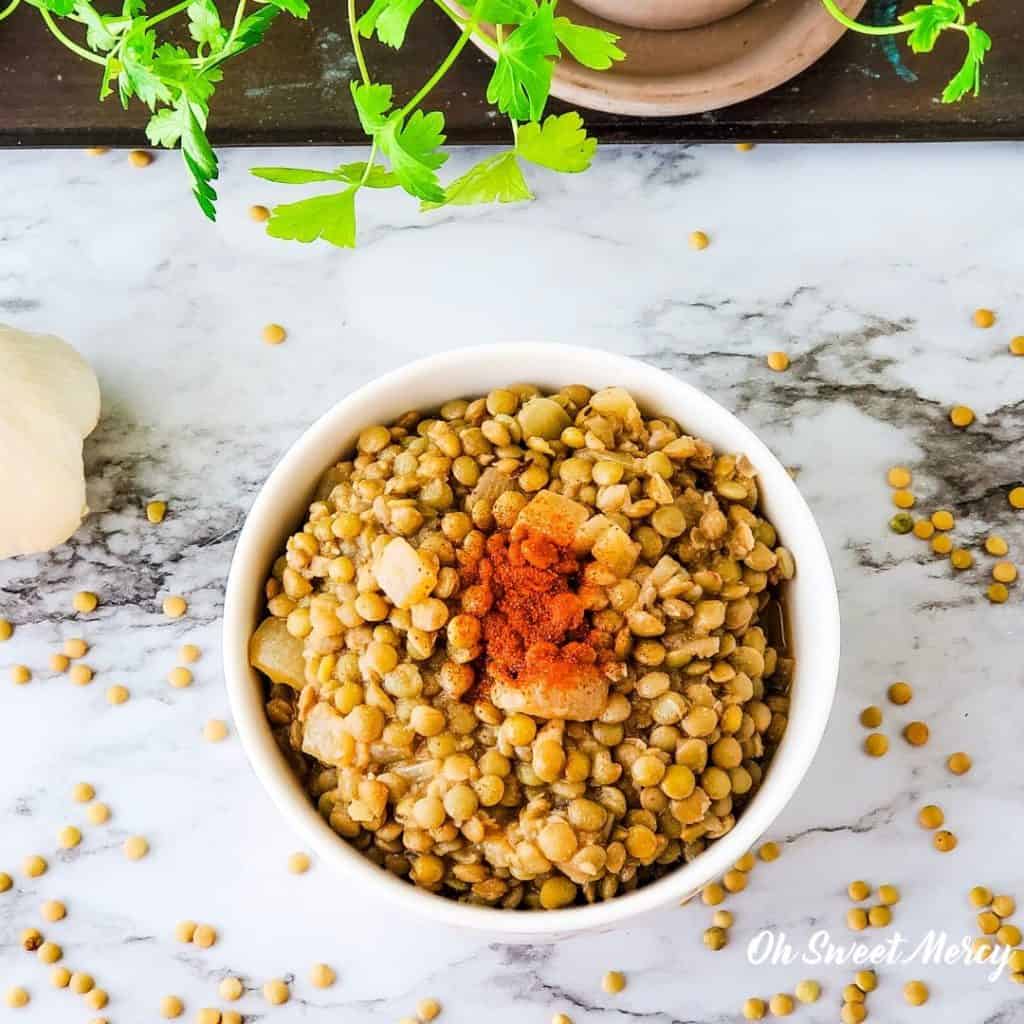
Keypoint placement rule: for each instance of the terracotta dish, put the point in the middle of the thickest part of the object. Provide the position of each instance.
(664, 14)
(690, 71)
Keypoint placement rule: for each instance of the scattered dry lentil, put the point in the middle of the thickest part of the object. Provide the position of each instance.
(980, 896)
(915, 993)
(53, 910)
(613, 982)
(98, 813)
(769, 852)
(258, 213)
(140, 158)
(744, 147)
(778, 361)
(96, 999)
(1004, 572)
(184, 931)
(781, 1004)
(853, 994)
(81, 983)
(880, 917)
(856, 919)
(276, 992)
(734, 881)
(1009, 935)
(924, 529)
(80, 674)
(961, 416)
(85, 601)
(866, 981)
(722, 919)
(69, 837)
(76, 647)
(899, 477)
(21, 674)
(16, 997)
(155, 511)
(171, 1007)
(274, 334)
(208, 1015)
(942, 519)
(944, 841)
(299, 863)
(1016, 497)
(901, 523)
(82, 793)
(900, 693)
(179, 677)
(428, 1009)
(853, 1013)
(715, 938)
(60, 977)
(699, 240)
(117, 694)
(34, 866)
(6, 630)
(904, 499)
(6, 882)
(916, 733)
(59, 662)
(175, 606)
(754, 1009)
(31, 939)
(230, 989)
(942, 544)
(230, 1017)
(189, 653)
(1017, 345)
(877, 744)
(959, 763)
(136, 847)
(930, 816)
(961, 559)
(984, 317)
(888, 895)
(712, 894)
(871, 717)
(50, 953)
(997, 593)
(204, 936)
(215, 730)
(1004, 906)
(808, 991)
(322, 976)
(858, 891)
(746, 863)
(995, 545)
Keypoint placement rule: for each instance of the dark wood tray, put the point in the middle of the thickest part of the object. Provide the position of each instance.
(292, 90)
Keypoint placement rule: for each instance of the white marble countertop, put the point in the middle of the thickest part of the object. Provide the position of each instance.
(864, 263)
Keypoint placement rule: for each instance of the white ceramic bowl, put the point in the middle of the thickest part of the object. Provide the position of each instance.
(812, 609)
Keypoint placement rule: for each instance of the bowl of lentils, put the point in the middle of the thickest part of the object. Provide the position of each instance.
(530, 656)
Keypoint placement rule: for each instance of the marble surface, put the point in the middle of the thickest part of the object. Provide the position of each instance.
(863, 263)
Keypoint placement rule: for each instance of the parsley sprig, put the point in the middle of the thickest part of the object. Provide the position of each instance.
(174, 82)
(406, 141)
(923, 25)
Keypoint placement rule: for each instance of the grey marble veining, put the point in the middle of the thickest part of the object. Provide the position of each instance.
(863, 263)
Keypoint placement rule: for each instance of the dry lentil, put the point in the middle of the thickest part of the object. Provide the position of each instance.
(961, 559)
(942, 519)
(53, 910)
(778, 361)
(983, 317)
(299, 863)
(215, 730)
(959, 763)
(60, 977)
(900, 693)
(276, 992)
(171, 1007)
(1004, 906)
(140, 158)
(21, 674)
(722, 919)
(189, 653)
(59, 662)
(97, 999)
(852, 1013)
(31, 939)
(901, 523)
(76, 647)
(34, 866)
(808, 991)
(734, 881)
(49, 953)
(995, 545)
(879, 917)
(743, 147)
(997, 593)
(858, 891)
(754, 1009)
(924, 529)
(877, 744)
(156, 511)
(16, 997)
(781, 1004)
(613, 982)
(6, 630)
(915, 993)
(6, 882)
(85, 601)
(713, 894)
(428, 1009)
(117, 694)
(899, 477)
(871, 717)
(715, 938)
(904, 499)
(856, 919)
(274, 334)
(179, 677)
(1004, 572)
(930, 816)
(258, 213)
(81, 983)
(980, 896)
(1017, 345)
(98, 813)
(322, 976)
(175, 606)
(69, 837)
(746, 863)
(944, 841)
(769, 852)
(208, 1015)
(942, 544)
(1016, 497)
(699, 240)
(1009, 935)
(853, 994)
(561, 1018)
(231, 989)
(961, 416)
(888, 895)
(82, 793)
(184, 931)
(136, 847)
(80, 674)
(916, 733)
(866, 981)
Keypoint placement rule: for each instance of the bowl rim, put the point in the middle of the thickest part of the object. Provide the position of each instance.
(248, 566)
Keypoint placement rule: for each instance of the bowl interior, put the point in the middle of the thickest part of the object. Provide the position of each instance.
(811, 604)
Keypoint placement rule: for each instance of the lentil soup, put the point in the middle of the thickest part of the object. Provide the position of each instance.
(524, 652)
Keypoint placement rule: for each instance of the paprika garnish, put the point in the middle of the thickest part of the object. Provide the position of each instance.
(532, 620)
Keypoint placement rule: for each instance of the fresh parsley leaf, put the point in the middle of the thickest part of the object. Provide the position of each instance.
(97, 35)
(928, 21)
(296, 8)
(372, 105)
(331, 217)
(389, 19)
(592, 47)
(204, 24)
(521, 81)
(498, 179)
(504, 12)
(133, 8)
(252, 29)
(61, 7)
(561, 143)
(411, 147)
(351, 174)
(199, 157)
(165, 127)
(137, 76)
(968, 78)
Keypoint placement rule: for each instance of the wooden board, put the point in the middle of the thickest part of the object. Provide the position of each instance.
(292, 90)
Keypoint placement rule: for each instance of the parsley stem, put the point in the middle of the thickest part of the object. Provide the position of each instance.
(9, 9)
(357, 46)
(370, 161)
(856, 26)
(442, 68)
(169, 13)
(73, 47)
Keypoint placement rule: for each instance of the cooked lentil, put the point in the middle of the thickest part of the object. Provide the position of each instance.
(423, 724)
